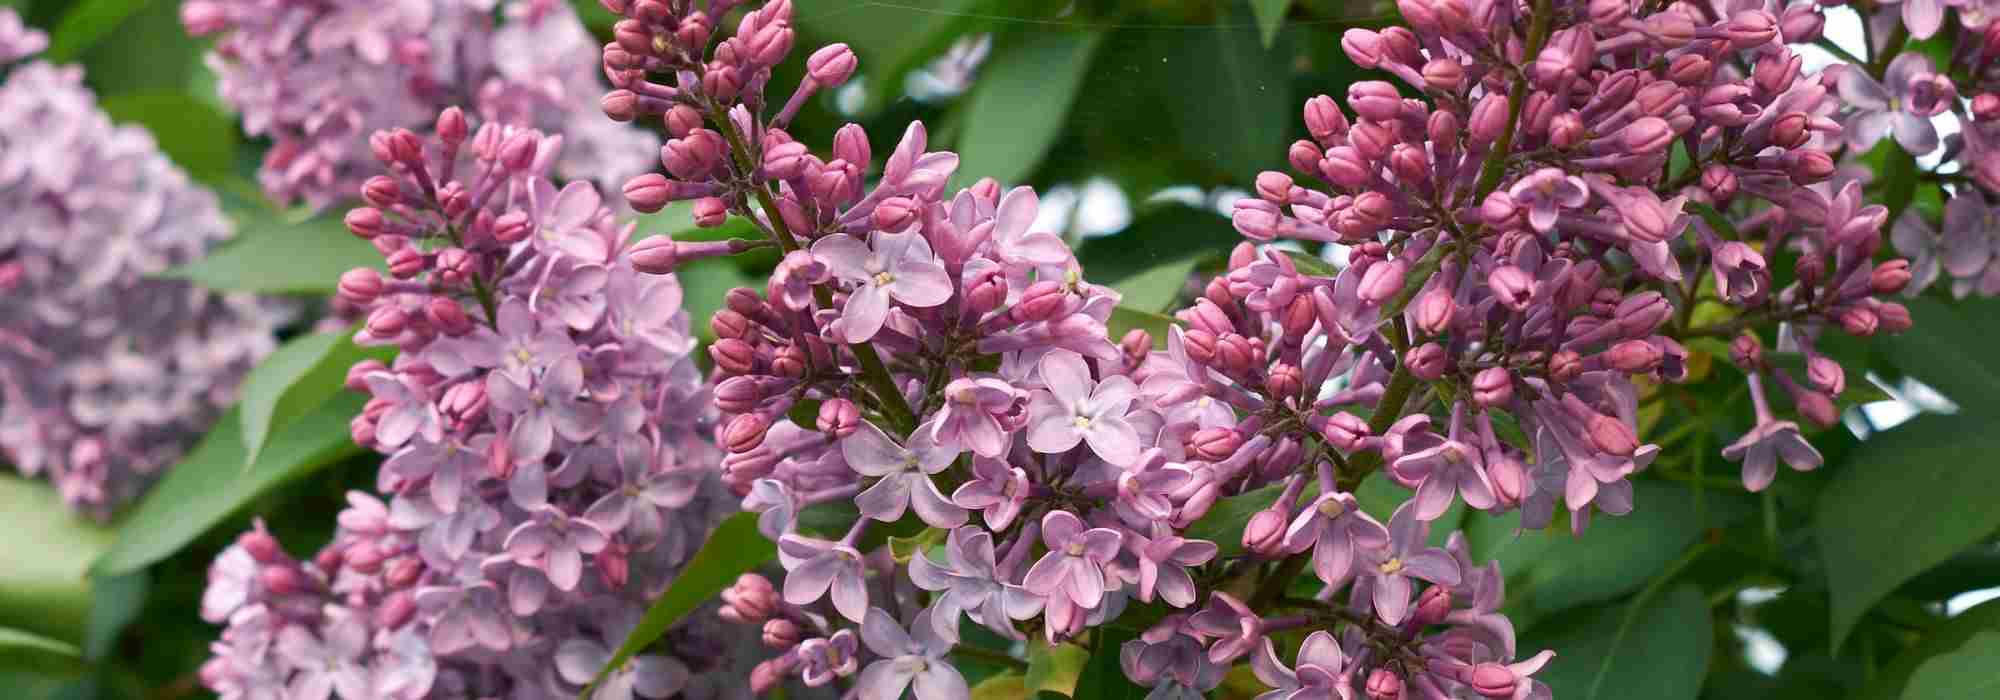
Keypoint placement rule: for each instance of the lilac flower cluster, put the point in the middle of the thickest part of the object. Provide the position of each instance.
(1899, 95)
(545, 478)
(107, 375)
(318, 77)
(934, 361)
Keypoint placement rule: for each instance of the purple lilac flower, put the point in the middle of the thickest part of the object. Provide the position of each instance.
(545, 478)
(1387, 571)
(1075, 408)
(903, 478)
(1883, 109)
(909, 660)
(108, 371)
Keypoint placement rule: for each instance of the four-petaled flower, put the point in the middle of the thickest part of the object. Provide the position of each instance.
(1545, 192)
(918, 662)
(967, 584)
(1451, 467)
(903, 477)
(1075, 408)
(1881, 110)
(1318, 674)
(1071, 574)
(897, 266)
(1387, 571)
(813, 566)
(1333, 527)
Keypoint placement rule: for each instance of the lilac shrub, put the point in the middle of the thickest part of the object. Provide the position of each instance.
(318, 77)
(927, 409)
(107, 375)
(545, 474)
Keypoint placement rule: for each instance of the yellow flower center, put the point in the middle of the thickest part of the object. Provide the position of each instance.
(1392, 566)
(1332, 508)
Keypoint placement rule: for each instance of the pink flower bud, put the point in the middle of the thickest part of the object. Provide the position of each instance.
(1275, 187)
(1491, 680)
(1567, 130)
(1264, 535)
(1432, 606)
(396, 610)
(1432, 310)
(451, 127)
(1324, 120)
(1641, 313)
(1256, 219)
(1633, 356)
(1892, 317)
(786, 160)
(745, 432)
(202, 18)
(1382, 281)
(1690, 69)
(710, 212)
(381, 191)
(1565, 365)
(1809, 166)
(1374, 100)
(512, 227)
(1719, 181)
(838, 417)
(1042, 301)
(1493, 387)
(780, 634)
(361, 285)
(655, 255)
(1372, 140)
(387, 322)
(766, 675)
(1363, 47)
(1986, 107)
(447, 316)
(733, 356)
(1445, 74)
(1611, 435)
(1858, 321)
(1510, 480)
(1489, 118)
(1235, 353)
(362, 430)
(406, 263)
(1303, 156)
(518, 152)
(1344, 430)
(366, 222)
(261, 546)
(1384, 684)
(1512, 286)
(1214, 444)
(1816, 407)
(1826, 374)
(682, 120)
(281, 580)
(1647, 135)
(1411, 164)
(1428, 362)
(1199, 345)
(363, 557)
(831, 65)
(464, 402)
(789, 362)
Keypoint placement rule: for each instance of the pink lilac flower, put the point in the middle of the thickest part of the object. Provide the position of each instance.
(545, 478)
(1075, 408)
(898, 266)
(1891, 108)
(109, 371)
(909, 660)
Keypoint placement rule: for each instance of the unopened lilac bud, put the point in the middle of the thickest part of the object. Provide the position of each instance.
(1264, 534)
(1489, 118)
(1747, 352)
(1826, 374)
(1567, 130)
(1611, 435)
(1647, 135)
(1303, 156)
(366, 222)
(1374, 100)
(751, 600)
(406, 263)
(745, 432)
(1411, 164)
(512, 227)
(518, 152)
(361, 429)
(1040, 302)
(694, 156)
(1445, 74)
(1890, 277)
(1432, 606)
(381, 191)
(1428, 361)
(767, 675)
(895, 214)
(361, 285)
(1324, 120)
(1816, 407)
(1363, 47)
(682, 120)
(1565, 365)
(1372, 140)
(655, 255)
(1214, 444)
(1608, 13)
(447, 316)
(1136, 344)
(1491, 680)
(790, 362)
(648, 193)
(1384, 684)
(1719, 181)
(281, 580)
(261, 546)
(1858, 321)
(733, 356)
(387, 322)
(1493, 387)
(780, 633)
(831, 65)
(1344, 430)
(1801, 23)
(838, 417)
(1892, 317)
(363, 557)
(1807, 166)
(202, 17)
(1641, 313)
(1382, 281)
(1510, 480)
(1235, 353)
(1633, 356)
(1275, 187)
(1986, 107)
(710, 212)
(1346, 166)
(1512, 286)
(395, 610)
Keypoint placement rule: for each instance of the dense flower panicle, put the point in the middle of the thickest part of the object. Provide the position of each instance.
(545, 477)
(931, 358)
(107, 375)
(319, 77)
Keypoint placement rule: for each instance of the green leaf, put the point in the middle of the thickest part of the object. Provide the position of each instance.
(23, 650)
(1889, 681)
(1124, 319)
(1904, 501)
(272, 256)
(1309, 264)
(42, 585)
(1055, 669)
(1157, 288)
(210, 484)
(704, 286)
(1658, 653)
(1551, 570)
(1895, 181)
(1002, 686)
(199, 138)
(733, 548)
(86, 24)
(299, 377)
(1950, 348)
(1966, 673)
(1018, 107)
(1150, 260)
(1270, 16)
(1715, 220)
(1229, 97)
(115, 603)
(892, 40)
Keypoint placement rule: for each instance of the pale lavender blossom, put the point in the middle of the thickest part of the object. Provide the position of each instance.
(1334, 528)
(968, 584)
(1883, 109)
(893, 266)
(813, 567)
(1318, 676)
(916, 662)
(997, 489)
(1076, 408)
(826, 658)
(1388, 570)
(903, 478)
